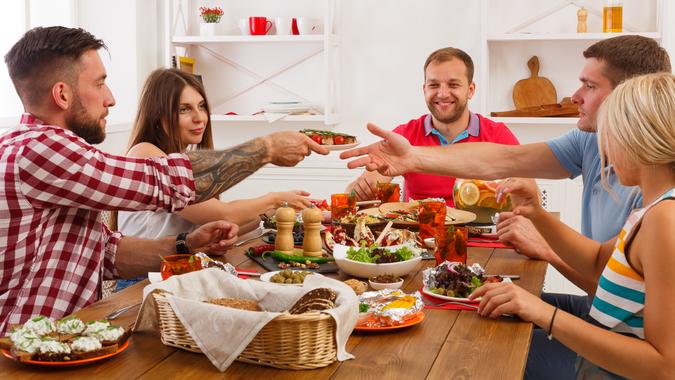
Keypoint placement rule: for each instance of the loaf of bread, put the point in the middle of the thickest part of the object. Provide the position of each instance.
(236, 303)
(315, 300)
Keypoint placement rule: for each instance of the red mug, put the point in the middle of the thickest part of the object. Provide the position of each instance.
(259, 26)
(294, 27)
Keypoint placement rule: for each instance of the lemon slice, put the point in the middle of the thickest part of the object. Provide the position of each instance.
(469, 193)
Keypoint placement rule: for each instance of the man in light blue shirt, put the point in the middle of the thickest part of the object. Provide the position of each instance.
(602, 215)
(608, 63)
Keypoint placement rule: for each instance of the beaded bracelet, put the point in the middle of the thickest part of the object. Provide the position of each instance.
(550, 325)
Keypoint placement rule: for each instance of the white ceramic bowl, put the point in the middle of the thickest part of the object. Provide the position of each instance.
(385, 285)
(367, 270)
(430, 243)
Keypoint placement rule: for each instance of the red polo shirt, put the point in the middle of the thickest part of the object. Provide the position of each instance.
(420, 132)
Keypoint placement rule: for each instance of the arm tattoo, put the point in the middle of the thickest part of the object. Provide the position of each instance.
(217, 171)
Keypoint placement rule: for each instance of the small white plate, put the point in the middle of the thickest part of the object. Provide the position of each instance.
(267, 277)
(154, 277)
(428, 292)
(342, 146)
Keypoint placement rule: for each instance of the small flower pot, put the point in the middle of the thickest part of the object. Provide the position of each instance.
(207, 28)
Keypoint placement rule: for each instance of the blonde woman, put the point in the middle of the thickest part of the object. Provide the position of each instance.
(630, 332)
(173, 116)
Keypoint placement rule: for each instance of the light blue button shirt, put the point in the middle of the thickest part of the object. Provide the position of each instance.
(602, 216)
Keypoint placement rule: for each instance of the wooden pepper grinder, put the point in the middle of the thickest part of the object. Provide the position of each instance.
(582, 16)
(311, 244)
(285, 219)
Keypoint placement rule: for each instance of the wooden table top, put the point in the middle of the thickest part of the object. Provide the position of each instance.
(448, 344)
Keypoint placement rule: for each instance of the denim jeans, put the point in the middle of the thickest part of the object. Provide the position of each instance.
(121, 284)
(550, 359)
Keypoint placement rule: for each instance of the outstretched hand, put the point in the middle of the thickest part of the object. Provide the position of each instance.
(290, 147)
(215, 237)
(391, 156)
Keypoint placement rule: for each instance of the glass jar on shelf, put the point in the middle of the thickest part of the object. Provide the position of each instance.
(612, 16)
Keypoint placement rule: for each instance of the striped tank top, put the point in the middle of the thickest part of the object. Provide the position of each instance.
(620, 297)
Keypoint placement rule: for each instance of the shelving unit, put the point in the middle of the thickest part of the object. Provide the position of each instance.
(563, 36)
(216, 54)
(520, 29)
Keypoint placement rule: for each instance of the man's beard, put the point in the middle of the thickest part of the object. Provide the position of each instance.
(83, 125)
(454, 116)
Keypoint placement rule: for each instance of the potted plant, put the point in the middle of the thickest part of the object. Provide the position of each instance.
(210, 18)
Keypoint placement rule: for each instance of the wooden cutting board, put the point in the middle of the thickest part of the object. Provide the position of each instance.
(535, 90)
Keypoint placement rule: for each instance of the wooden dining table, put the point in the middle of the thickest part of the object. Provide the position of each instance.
(448, 344)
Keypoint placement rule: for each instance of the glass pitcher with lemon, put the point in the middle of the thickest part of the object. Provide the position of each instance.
(480, 197)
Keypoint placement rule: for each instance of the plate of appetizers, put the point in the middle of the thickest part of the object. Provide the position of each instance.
(65, 342)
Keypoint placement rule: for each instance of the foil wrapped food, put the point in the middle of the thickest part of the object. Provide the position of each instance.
(390, 307)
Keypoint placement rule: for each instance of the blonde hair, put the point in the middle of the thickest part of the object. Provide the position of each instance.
(638, 119)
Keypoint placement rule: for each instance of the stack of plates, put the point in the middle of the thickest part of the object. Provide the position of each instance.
(287, 107)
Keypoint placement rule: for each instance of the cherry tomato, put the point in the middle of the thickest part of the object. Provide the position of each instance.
(338, 140)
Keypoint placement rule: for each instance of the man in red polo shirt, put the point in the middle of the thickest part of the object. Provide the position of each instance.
(448, 86)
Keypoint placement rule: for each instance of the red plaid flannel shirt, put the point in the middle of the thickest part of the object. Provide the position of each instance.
(54, 249)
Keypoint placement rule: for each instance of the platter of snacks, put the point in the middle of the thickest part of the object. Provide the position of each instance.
(455, 281)
(389, 309)
(331, 140)
(66, 342)
(368, 261)
(405, 213)
(286, 277)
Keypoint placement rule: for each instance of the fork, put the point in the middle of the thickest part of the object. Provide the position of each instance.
(430, 303)
(120, 311)
(262, 233)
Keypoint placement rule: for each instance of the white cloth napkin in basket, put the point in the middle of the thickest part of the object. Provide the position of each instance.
(222, 333)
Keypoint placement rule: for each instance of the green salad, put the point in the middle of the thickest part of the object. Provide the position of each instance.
(378, 255)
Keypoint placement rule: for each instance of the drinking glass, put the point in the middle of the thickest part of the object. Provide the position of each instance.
(431, 217)
(451, 245)
(179, 264)
(388, 192)
(342, 205)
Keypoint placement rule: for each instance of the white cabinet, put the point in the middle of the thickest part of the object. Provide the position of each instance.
(243, 73)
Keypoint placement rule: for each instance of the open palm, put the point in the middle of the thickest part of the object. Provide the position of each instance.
(391, 156)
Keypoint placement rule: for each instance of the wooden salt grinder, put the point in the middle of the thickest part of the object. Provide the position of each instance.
(311, 219)
(582, 16)
(285, 218)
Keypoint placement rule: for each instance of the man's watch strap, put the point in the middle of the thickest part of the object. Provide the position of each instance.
(181, 244)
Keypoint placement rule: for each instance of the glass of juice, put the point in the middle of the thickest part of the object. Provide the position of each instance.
(431, 217)
(451, 245)
(342, 205)
(388, 192)
(179, 264)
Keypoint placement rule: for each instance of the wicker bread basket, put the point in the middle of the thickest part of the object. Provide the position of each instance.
(304, 341)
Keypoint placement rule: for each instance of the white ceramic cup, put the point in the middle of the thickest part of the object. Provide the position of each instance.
(243, 27)
(308, 25)
(283, 25)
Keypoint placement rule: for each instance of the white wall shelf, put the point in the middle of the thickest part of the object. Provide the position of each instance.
(301, 68)
(505, 37)
(198, 40)
(293, 118)
(537, 120)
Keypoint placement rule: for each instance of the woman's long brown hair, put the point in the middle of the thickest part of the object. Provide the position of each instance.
(157, 118)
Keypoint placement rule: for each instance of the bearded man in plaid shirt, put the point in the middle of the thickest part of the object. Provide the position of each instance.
(54, 249)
